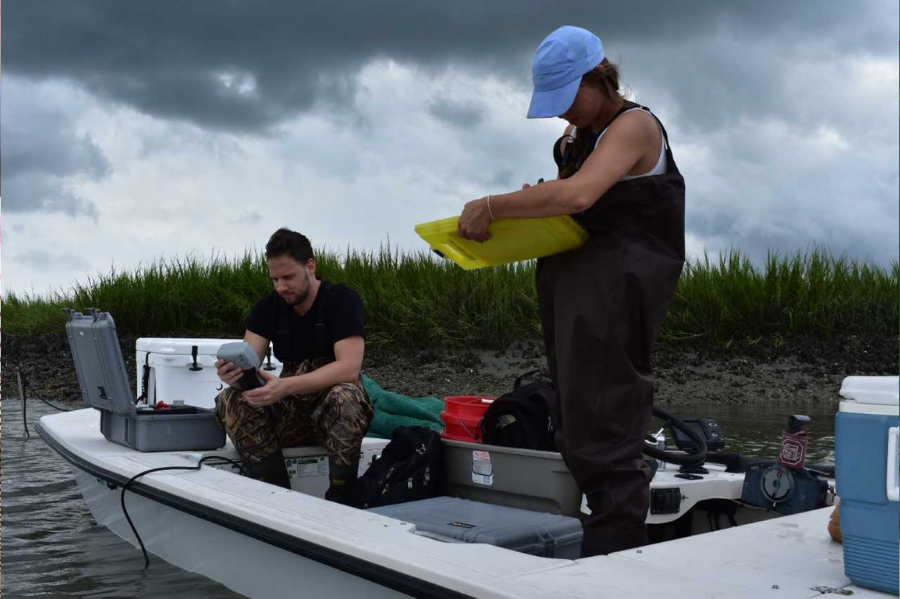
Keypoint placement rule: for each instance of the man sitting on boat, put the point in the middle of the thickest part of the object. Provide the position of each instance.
(317, 331)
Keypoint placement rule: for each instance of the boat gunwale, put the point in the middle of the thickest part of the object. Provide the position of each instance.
(345, 562)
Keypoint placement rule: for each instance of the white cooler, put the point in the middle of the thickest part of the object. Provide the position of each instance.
(184, 369)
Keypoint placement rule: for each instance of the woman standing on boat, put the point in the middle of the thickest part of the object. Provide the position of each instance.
(602, 305)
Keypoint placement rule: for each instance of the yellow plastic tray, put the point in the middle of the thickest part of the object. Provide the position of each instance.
(512, 240)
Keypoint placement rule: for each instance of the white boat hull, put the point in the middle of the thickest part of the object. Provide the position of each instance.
(263, 541)
(246, 565)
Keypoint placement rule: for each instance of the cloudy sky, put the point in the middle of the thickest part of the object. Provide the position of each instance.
(134, 130)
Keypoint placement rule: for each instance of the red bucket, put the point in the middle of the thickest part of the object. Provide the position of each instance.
(462, 417)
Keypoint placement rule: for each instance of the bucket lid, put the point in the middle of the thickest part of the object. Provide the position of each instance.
(881, 390)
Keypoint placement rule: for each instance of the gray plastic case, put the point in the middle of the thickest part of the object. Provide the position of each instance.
(104, 386)
(453, 519)
(520, 478)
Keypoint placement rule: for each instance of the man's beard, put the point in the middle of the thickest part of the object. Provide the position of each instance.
(298, 299)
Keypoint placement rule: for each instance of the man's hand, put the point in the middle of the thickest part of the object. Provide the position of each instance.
(229, 373)
(268, 394)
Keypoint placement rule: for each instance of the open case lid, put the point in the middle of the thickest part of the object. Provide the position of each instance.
(879, 390)
(98, 361)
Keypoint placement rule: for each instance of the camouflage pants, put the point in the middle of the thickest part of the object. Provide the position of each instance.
(335, 418)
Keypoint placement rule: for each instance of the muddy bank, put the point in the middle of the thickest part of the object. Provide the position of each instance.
(780, 370)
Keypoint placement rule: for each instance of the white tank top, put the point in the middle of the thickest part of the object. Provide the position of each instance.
(661, 164)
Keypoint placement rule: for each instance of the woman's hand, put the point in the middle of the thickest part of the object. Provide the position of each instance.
(270, 393)
(475, 221)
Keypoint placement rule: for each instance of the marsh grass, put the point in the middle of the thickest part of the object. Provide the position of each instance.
(415, 300)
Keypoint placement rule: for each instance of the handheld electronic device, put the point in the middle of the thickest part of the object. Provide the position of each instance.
(243, 354)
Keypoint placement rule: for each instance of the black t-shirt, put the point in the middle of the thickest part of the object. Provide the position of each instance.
(343, 317)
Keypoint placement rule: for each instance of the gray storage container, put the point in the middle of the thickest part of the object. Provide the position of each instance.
(452, 519)
(104, 386)
(521, 478)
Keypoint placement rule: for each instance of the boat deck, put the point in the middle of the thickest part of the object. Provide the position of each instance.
(789, 557)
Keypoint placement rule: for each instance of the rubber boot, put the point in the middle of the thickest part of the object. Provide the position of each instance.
(270, 469)
(341, 481)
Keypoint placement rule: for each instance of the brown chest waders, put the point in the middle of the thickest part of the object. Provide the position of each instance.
(602, 307)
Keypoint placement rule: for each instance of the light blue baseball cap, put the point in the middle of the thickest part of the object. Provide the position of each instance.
(559, 63)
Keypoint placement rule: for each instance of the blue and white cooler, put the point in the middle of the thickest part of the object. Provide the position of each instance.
(867, 478)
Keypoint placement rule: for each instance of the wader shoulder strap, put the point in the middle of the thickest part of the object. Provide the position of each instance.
(572, 149)
(672, 167)
(283, 340)
(322, 321)
(628, 106)
(670, 160)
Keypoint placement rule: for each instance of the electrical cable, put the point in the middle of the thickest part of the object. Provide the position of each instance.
(55, 407)
(22, 397)
(22, 387)
(140, 474)
(689, 459)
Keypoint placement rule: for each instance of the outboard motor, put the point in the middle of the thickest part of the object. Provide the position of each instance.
(785, 485)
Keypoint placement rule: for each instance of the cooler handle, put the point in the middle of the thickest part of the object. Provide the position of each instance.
(893, 485)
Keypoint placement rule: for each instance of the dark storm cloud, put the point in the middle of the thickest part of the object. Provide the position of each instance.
(463, 116)
(41, 150)
(720, 73)
(246, 66)
(33, 192)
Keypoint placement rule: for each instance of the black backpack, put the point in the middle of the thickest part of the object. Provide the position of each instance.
(410, 468)
(528, 417)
